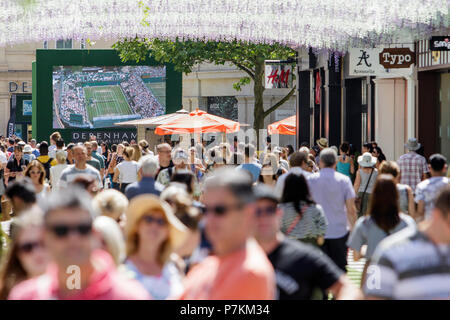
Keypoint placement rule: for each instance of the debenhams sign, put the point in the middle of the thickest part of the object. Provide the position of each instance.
(108, 136)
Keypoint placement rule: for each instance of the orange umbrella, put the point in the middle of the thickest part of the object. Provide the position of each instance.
(198, 121)
(285, 126)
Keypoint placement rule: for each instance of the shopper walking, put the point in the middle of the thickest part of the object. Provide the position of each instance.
(384, 218)
(239, 268)
(413, 167)
(427, 190)
(365, 180)
(334, 192)
(302, 219)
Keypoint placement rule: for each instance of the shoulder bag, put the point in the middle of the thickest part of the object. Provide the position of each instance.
(359, 200)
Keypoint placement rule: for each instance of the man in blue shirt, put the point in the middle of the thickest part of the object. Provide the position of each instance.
(149, 166)
(334, 192)
(249, 165)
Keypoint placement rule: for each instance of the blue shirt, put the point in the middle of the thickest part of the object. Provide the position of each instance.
(331, 190)
(147, 185)
(36, 153)
(253, 168)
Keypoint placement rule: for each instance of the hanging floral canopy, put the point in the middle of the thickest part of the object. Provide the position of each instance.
(320, 24)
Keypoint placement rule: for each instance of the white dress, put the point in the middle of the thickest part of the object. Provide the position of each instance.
(168, 284)
(44, 193)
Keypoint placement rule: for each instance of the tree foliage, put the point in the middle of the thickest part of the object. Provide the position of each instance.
(185, 54)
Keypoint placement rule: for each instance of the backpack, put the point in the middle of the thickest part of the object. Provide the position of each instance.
(47, 166)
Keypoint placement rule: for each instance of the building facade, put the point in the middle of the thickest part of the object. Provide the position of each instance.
(208, 87)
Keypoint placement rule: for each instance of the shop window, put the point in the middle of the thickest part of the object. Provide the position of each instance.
(64, 44)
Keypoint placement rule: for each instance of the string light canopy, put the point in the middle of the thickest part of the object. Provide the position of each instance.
(319, 24)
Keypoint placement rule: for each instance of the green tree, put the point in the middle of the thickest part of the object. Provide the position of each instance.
(248, 57)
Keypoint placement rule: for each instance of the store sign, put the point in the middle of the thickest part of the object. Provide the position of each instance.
(278, 75)
(391, 58)
(367, 62)
(106, 136)
(283, 114)
(363, 62)
(19, 87)
(440, 43)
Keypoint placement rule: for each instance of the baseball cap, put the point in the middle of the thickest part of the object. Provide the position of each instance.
(263, 191)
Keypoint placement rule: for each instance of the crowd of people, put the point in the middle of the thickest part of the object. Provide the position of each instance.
(70, 98)
(134, 221)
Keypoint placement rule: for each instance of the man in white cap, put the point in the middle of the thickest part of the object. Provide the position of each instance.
(413, 166)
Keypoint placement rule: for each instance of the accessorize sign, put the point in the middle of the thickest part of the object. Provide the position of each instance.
(441, 43)
(391, 58)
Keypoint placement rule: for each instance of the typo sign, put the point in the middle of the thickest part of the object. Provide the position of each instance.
(395, 58)
(106, 136)
(440, 43)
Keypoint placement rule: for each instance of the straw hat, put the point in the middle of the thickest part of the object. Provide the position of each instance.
(322, 142)
(367, 160)
(141, 205)
(412, 144)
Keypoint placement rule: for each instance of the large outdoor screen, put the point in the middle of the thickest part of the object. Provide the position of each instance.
(97, 97)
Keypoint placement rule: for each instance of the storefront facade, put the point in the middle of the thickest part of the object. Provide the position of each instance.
(433, 95)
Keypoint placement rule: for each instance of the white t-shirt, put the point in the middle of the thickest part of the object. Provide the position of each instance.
(55, 174)
(3, 158)
(128, 171)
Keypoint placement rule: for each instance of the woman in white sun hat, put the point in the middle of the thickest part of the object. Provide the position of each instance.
(365, 180)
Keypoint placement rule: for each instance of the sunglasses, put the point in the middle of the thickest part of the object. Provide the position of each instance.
(62, 231)
(149, 219)
(35, 172)
(267, 211)
(28, 247)
(220, 210)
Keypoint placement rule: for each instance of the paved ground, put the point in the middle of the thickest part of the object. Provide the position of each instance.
(355, 268)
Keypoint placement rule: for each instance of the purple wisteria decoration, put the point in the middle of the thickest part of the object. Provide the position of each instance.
(321, 24)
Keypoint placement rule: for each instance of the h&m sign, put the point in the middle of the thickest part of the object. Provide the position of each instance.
(277, 75)
(391, 58)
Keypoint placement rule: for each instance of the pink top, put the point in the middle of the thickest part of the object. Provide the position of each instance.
(105, 284)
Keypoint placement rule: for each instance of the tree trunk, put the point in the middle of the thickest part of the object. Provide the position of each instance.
(258, 91)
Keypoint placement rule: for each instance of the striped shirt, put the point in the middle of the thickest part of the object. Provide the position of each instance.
(408, 265)
(312, 224)
(412, 167)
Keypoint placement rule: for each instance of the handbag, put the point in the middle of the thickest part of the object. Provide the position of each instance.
(359, 200)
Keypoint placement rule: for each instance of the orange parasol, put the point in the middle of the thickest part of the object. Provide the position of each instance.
(198, 121)
(285, 126)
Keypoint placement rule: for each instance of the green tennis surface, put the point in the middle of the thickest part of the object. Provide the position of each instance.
(105, 101)
(159, 91)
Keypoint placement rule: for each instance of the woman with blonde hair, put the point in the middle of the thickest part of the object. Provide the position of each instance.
(111, 236)
(36, 172)
(26, 256)
(55, 171)
(137, 152)
(153, 234)
(113, 204)
(126, 172)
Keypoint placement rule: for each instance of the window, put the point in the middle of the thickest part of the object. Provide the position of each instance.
(45, 45)
(83, 44)
(64, 44)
